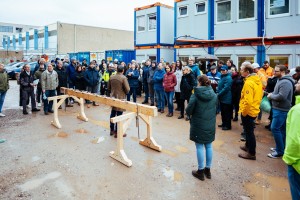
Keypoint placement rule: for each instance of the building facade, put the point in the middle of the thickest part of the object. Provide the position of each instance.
(239, 30)
(153, 32)
(62, 38)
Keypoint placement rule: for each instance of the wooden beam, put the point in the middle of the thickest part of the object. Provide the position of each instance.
(126, 105)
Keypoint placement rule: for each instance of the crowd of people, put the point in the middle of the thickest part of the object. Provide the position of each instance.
(219, 88)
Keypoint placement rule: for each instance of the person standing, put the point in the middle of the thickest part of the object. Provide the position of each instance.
(4, 86)
(225, 98)
(266, 69)
(281, 103)
(292, 153)
(169, 82)
(186, 87)
(106, 76)
(145, 77)
(158, 87)
(249, 108)
(133, 79)
(91, 77)
(236, 89)
(118, 86)
(49, 85)
(37, 76)
(152, 70)
(79, 83)
(194, 68)
(27, 87)
(178, 74)
(202, 109)
(62, 80)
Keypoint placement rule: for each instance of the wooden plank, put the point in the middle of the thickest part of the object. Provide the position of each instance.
(127, 105)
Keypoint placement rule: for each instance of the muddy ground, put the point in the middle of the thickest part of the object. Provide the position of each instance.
(39, 161)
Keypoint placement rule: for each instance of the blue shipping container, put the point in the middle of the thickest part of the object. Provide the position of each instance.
(121, 55)
(73, 55)
(84, 55)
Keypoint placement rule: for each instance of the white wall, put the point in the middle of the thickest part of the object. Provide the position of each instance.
(167, 55)
(146, 37)
(195, 25)
(166, 25)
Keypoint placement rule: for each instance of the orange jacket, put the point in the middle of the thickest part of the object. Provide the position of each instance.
(267, 72)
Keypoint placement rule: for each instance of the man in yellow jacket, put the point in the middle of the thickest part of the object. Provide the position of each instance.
(249, 108)
(292, 148)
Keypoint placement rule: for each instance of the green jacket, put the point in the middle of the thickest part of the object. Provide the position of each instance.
(4, 86)
(202, 111)
(292, 148)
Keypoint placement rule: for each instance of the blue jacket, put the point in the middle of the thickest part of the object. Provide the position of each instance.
(158, 79)
(224, 89)
(91, 77)
(195, 70)
(133, 80)
(71, 73)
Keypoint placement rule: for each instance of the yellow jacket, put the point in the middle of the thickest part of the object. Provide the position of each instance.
(262, 78)
(106, 75)
(251, 96)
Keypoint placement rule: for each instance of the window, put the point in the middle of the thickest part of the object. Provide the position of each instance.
(279, 60)
(200, 8)
(279, 7)
(152, 22)
(223, 11)
(242, 59)
(183, 11)
(141, 23)
(8, 29)
(184, 59)
(246, 9)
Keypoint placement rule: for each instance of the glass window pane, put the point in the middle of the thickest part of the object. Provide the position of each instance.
(200, 7)
(279, 7)
(183, 10)
(152, 22)
(242, 59)
(141, 23)
(279, 60)
(246, 9)
(224, 11)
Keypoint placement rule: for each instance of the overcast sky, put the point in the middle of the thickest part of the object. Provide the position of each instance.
(116, 14)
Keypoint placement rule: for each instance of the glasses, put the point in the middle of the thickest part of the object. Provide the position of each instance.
(276, 71)
(168, 68)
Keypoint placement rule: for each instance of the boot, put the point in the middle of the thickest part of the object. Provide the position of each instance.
(207, 173)
(235, 119)
(247, 156)
(199, 174)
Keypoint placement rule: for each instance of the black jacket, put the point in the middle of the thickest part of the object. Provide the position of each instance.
(62, 77)
(186, 85)
(25, 81)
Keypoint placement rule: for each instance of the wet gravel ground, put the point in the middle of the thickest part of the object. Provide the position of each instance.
(39, 161)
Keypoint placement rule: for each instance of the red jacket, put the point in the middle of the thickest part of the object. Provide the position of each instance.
(169, 81)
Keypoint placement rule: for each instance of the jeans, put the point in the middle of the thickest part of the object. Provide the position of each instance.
(114, 113)
(39, 94)
(278, 129)
(200, 155)
(248, 125)
(294, 181)
(146, 90)
(47, 104)
(2, 97)
(226, 114)
(160, 99)
(133, 93)
(169, 96)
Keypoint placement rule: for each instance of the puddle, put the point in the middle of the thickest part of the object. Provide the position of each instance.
(268, 188)
(35, 158)
(217, 144)
(97, 140)
(81, 131)
(168, 152)
(32, 184)
(134, 139)
(172, 175)
(181, 149)
(104, 124)
(59, 134)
